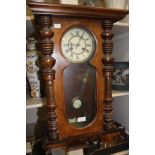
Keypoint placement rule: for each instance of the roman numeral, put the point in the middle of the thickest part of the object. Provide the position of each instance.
(65, 45)
(87, 51)
(83, 55)
(88, 45)
(82, 35)
(86, 39)
(77, 33)
(72, 34)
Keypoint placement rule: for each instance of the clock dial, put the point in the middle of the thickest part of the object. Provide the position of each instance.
(77, 44)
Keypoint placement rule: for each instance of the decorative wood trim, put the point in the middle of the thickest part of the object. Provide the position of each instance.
(108, 70)
(77, 11)
(46, 63)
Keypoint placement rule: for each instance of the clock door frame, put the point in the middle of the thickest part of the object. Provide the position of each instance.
(94, 26)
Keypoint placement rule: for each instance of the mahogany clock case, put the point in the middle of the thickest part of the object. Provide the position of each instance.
(64, 83)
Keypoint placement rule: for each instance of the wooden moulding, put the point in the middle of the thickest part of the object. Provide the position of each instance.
(78, 11)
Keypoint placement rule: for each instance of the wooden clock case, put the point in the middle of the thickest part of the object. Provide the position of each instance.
(65, 129)
(99, 22)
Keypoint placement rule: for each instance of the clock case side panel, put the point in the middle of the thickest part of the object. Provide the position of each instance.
(65, 129)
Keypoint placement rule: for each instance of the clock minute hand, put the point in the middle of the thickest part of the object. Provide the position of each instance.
(78, 44)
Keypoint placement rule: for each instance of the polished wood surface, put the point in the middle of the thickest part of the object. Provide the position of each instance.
(99, 22)
(77, 11)
(46, 63)
(65, 129)
(108, 71)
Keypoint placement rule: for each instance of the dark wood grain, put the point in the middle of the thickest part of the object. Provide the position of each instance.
(108, 71)
(46, 63)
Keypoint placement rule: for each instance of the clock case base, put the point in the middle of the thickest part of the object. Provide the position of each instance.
(106, 142)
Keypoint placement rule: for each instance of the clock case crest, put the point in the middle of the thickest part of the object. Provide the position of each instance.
(99, 21)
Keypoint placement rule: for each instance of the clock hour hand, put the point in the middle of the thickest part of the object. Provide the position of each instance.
(71, 44)
(78, 44)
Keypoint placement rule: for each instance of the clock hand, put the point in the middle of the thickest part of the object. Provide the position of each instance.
(70, 48)
(78, 44)
(71, 44)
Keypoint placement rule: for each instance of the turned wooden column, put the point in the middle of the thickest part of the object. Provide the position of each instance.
(108, 71)
(46, 63)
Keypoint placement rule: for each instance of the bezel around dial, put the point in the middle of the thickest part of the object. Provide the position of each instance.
(78, 44)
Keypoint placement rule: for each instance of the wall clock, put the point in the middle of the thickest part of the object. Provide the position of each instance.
(76, 68)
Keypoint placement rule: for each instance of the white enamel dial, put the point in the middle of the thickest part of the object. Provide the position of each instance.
(77, 45)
